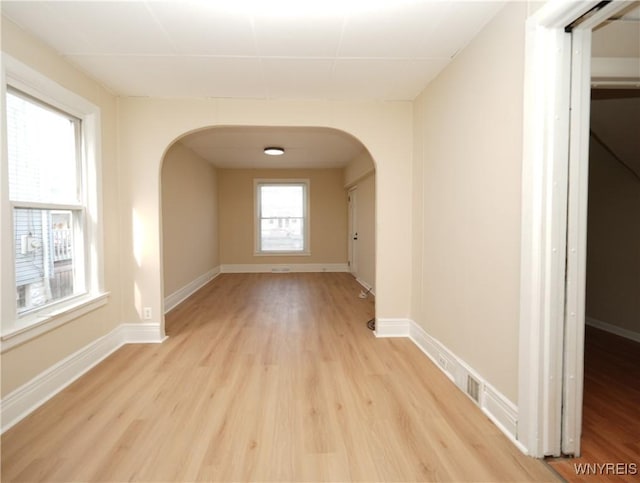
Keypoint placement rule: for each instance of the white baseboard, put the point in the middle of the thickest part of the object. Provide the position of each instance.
(28, 397)
(367, 287)
(613, 329)
(173, 300)
(492, 402)
(283, 267)
(147, 333)
(392, 328)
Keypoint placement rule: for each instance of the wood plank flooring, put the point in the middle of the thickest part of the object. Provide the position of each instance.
(265, 377)
(611, 408)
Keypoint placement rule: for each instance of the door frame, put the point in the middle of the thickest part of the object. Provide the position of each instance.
(352, 197)
(554, 185)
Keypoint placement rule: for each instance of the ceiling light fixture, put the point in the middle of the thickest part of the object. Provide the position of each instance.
(274, 151)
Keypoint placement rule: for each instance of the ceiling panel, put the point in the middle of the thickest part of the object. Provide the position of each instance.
(393, 79)
(402, 32)
(45, 23)
(194, 29)
(170, 48)
(104, 27)
(297, 78)
(178, 76)
(463, 23)
(288, 37)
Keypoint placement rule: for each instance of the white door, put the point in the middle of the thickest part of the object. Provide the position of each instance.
(353, 231)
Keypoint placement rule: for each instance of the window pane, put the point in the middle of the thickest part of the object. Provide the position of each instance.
(282, 234)
(42, 153)
(43, 256)
(282, 201)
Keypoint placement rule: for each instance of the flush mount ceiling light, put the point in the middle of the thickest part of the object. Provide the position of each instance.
(274, 151)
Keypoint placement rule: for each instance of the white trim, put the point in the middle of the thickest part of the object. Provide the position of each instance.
(283, 267)
(28, 397)
(544, 179)
(576, 254)
(545, 190)
(173, 300)
(498, 408)
(501, 411)
(146, 333)
(28, 80)
(493, 403)
(60, 314)
(392, 327)
(613, 329)
(306, 203)
(368, 287)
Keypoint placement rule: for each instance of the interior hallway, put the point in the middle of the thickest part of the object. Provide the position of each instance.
(265, 377)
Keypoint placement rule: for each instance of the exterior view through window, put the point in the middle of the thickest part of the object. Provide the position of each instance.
(44, 164)
(282, 217)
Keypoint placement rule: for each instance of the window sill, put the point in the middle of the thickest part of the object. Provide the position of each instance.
(38, 324)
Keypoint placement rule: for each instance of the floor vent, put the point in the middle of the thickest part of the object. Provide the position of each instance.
(473, 389)
(280, 269)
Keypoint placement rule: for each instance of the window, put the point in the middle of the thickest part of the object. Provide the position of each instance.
(282, 221)
(52, 262)
(45, 192)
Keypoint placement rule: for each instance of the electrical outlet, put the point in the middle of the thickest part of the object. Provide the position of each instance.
(147, 313)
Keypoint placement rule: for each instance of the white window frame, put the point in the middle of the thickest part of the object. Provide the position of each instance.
(16, 329)
(259, 182)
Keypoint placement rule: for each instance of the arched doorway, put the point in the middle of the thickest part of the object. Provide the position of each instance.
(208, 210)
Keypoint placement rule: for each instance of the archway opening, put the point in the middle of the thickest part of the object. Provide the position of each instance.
(211, 214)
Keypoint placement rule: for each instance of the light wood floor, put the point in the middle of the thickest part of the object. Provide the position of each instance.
(265, 377)
(611, 407)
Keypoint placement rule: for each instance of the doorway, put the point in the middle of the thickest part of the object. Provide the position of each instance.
(360, 187)
(554, 237)
(352, 198)
(589, 123)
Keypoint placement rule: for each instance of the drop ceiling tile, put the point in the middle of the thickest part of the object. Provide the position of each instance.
(203, 49)
(464, 22)
(383, 79)
(45, 23)
(199, 28)
(294, 37)
(173, 76)
(297, 78)
(400, 32)
(107, 27)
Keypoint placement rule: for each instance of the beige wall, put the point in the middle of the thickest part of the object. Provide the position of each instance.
(359, 167)
(24, 362)
(148, 126)
(189, 218)
(328, 215)
(467, 188)
(613, 237)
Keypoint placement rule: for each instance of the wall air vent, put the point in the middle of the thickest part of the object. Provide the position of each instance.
(473, 389)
